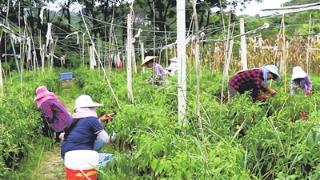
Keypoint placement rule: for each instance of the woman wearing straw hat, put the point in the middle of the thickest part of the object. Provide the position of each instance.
(158, 71)
(254, 80)
(87, 132)
(300, 79)
(54, 112)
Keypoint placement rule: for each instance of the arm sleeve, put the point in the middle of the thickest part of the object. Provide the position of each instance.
(308, 84)
(163, 71)
(255, 93)
(96, 125)
(103, 136)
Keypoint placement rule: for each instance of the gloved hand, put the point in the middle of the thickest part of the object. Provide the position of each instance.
(272, 92)
(309, 93)
(61, 136)
(106, 117)
(262, 97)
(113, 137)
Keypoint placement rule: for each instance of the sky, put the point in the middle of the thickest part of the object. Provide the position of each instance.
(252, 8)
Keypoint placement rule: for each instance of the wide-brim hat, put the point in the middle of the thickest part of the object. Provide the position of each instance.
(298, 72)
(274, 70)
(85, 101)
(42, 92)
(147, 59)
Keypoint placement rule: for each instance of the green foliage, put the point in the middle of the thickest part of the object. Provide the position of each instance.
(20, 121)
(242, 139)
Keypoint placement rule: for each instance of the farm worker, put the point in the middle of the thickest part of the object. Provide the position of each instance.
(173, 67)
(55, 114)
(87, 132)
(158, 71)
(254, 80)
(300, 79)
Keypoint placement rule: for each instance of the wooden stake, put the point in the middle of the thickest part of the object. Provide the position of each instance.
(181, 48)
(308, 52)
(243, 48)
(198, 68)
(142, 53)
(1, 78)
(99, 61)
(129, 57)
(283, 67)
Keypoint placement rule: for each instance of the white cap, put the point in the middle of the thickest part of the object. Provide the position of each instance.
(298, 72)
(84, 101)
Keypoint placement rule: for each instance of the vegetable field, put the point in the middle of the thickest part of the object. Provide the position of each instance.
(171, 122)
(242, 139)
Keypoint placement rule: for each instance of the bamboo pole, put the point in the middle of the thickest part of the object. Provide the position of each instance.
(243, 48)
(181, 49)
(83, 47)
(166, 41)
(41, 51)
(308, 52)
(226, 59)
(110, 38)
(283, 67)
(91, 55)
(129, 56)
(198, 68)
(1, 78)
(99, 61)
(142, 52)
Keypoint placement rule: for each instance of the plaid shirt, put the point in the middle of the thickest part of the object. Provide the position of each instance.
(249, 80)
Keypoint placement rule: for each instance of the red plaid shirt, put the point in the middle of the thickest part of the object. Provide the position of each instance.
(249, 80)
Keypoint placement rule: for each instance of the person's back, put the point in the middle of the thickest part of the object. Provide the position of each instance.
(247, 80)
(86, 131)
(300, 79)
(82, 136)
(56, 115)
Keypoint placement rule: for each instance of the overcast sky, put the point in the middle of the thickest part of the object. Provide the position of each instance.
(254, 8)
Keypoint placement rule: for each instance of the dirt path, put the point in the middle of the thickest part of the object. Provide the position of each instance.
(52, 167)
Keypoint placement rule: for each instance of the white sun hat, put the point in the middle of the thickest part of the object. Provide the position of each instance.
(274, 70)
(147, 59)
(298, 72)
(84, 101)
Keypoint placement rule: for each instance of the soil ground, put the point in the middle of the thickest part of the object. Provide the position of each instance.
(52, 167)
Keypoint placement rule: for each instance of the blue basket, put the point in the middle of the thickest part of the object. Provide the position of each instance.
(66, 76)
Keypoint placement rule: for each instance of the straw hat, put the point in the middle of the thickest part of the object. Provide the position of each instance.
(298, 72)
(147, 59)
(84, 101)
(274, 70)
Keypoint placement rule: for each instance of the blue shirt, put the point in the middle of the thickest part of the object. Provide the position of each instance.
(82, 136)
